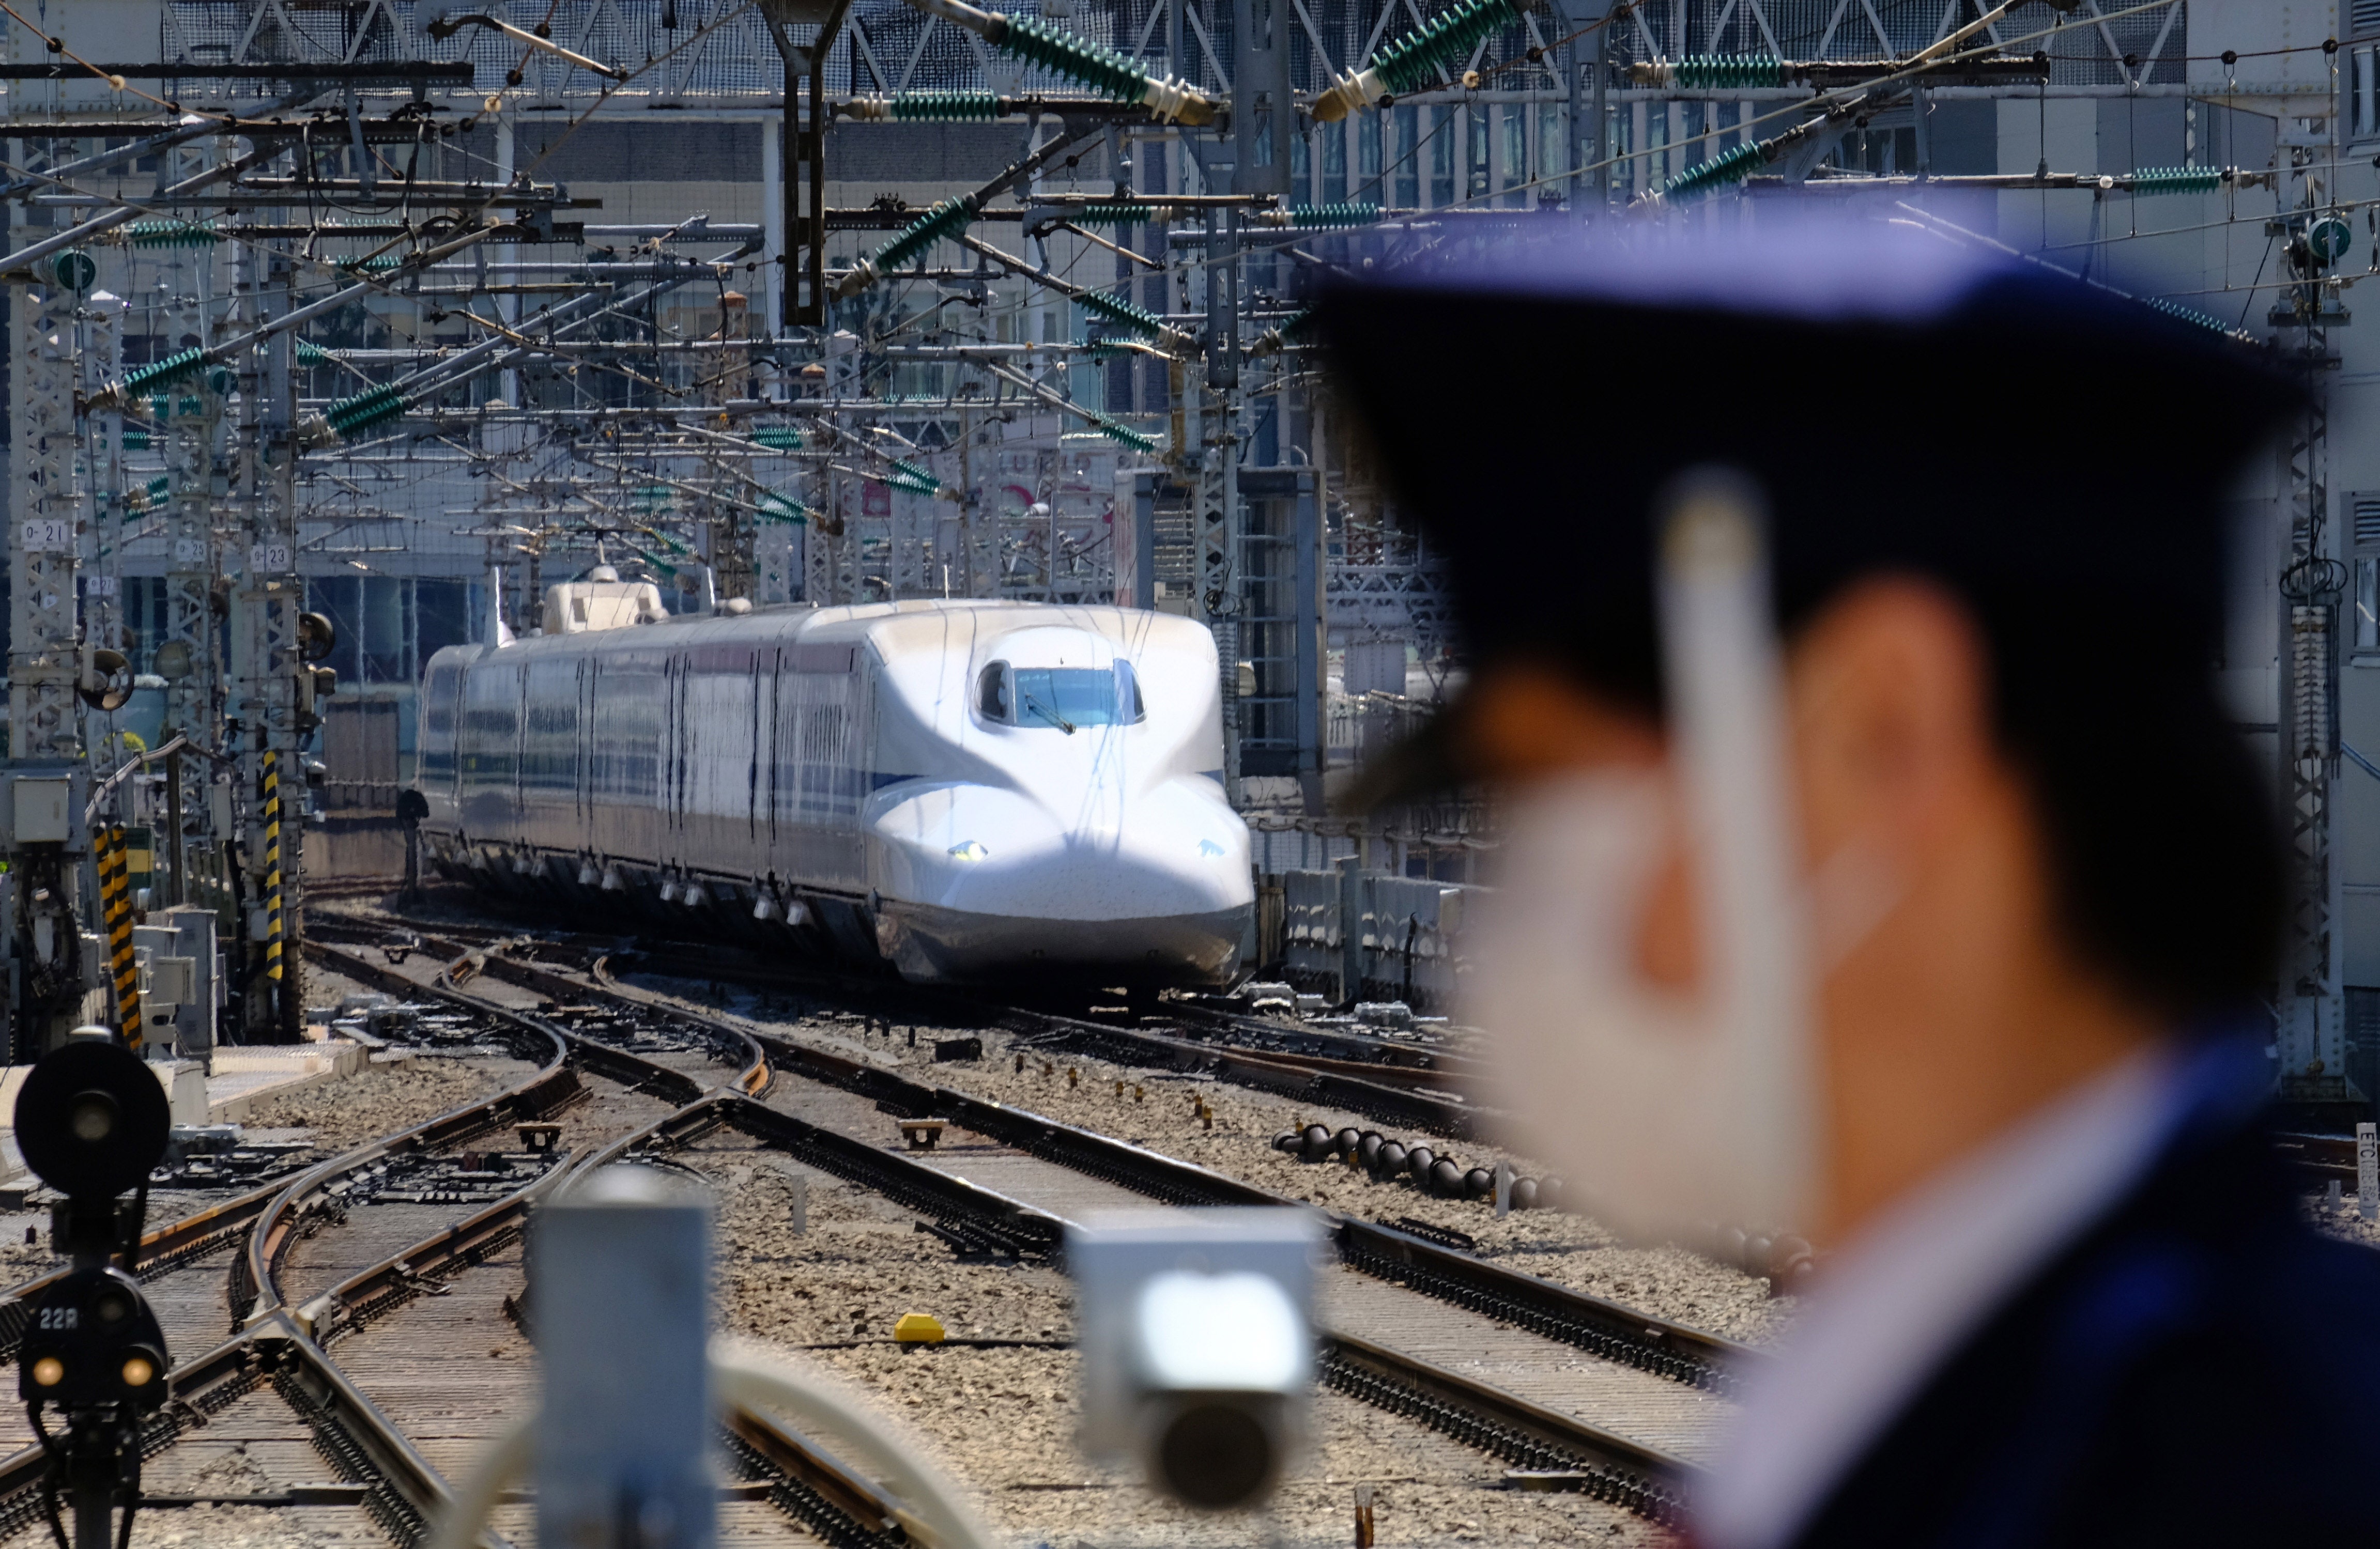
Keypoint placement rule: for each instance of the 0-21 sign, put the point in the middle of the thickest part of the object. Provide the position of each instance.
(47, 535)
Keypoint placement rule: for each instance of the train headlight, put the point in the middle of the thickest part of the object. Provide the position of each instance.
(969, 850)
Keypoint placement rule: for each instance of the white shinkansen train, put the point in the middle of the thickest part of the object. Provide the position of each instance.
(975, 791)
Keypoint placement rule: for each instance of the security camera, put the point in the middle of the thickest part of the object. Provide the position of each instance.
(1197, 1343)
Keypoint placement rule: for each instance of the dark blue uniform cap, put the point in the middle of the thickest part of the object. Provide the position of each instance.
(1907, 404)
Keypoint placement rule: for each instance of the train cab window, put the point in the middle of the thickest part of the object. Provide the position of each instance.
(1065, 697)
(992, 693)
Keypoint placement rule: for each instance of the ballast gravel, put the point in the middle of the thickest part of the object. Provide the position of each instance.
(995, 1404)
(2346, 1222)
(1154, 1110)
(382, 1099)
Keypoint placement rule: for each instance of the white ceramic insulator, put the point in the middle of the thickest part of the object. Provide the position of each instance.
(1169, 98)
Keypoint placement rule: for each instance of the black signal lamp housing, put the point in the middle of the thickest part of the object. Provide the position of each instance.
(93, 1340)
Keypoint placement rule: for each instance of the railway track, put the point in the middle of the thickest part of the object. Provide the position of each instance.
(258, 1418)
(2320, 1158)
(1389, 1082)
(1574, 1391)
(270, 1411)
(411, 1328)
(1377, 1078)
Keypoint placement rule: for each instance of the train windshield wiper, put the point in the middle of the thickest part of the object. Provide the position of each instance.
(1052, 717)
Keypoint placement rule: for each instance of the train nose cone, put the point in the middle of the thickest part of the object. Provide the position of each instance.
(1163, 898)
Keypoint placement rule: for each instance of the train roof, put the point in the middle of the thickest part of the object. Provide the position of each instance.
(914, 623)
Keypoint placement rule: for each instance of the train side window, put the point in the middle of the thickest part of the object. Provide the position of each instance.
(1128, 699)
(992, 693)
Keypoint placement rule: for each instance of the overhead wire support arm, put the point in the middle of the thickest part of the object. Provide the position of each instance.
(1078, 59)
(443, 27)
(22, 259)
(450, 72)
(191, 127)
(1801, 146)
(176, 367)
(1124, 435)
(1114, 308)
(1093, 237)
(348, 418)
(1408, 63)
(1755, 72)
(2146, 183)
(952, 216)
(979, 107)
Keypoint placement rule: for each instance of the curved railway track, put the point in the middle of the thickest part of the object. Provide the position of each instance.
(271, 1394)
(1571, 1389)
(1385, 1079)
(360, 1347)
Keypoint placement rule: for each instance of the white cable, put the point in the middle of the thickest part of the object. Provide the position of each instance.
(460, 1526)
(745, 1377)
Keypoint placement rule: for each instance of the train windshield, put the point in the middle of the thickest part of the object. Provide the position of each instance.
(1063, 698)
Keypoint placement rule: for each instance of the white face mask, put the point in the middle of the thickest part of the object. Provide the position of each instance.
(1667, 1109)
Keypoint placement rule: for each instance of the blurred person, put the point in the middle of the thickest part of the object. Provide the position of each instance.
(1878, 862)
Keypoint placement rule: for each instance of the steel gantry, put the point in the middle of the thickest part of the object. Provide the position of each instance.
(50, 661)
(849, 404)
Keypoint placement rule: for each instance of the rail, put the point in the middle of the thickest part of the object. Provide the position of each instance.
(553, 1086)
(1570, 1453)
(2320, 1156)
(1381, 1088)
(1608, 1329)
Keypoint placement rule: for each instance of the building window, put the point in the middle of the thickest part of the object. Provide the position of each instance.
(2367, 604)
(1441, 157)
(2364, 566)
(1408, 150)
(388, 626)
(1515, 170)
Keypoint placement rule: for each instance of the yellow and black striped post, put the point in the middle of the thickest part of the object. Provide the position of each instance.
(273, 866)
(115, 903)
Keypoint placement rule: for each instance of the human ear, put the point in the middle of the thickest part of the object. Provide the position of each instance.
(1889, 694)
